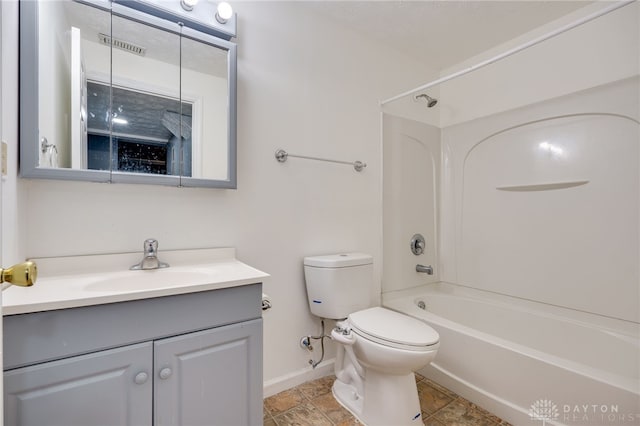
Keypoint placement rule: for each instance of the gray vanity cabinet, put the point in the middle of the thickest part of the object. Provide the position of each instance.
(193, 359)
(188, 392)
(88, 390)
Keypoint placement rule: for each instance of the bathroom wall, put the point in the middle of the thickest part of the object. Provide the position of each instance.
(411, 177)
(603, 50)
(12, 245)
(574, 247)
(305, 85)
(595, 53)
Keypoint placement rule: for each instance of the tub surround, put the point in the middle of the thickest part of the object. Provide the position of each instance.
(74, 281)
(529, 306)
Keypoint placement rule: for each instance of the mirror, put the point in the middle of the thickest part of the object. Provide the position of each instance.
(111, 93)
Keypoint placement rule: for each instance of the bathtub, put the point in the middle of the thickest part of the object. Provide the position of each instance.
(527, 362)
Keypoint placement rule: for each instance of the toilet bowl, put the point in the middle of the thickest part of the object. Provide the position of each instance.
(392, 342)
(378, 349)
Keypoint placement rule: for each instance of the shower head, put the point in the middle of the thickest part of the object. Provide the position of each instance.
(431, 102)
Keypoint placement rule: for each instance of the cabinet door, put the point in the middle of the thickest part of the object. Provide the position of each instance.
(212, 377)
(102, 388)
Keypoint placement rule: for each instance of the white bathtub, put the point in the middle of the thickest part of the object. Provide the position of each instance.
(517, 358)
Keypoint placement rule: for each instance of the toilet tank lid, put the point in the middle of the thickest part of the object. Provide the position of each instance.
(341, 260)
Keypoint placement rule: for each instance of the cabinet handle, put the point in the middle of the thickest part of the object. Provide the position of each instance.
(165, 373)
(141, 378)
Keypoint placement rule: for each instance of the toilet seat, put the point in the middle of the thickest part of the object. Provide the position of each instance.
(394, 329)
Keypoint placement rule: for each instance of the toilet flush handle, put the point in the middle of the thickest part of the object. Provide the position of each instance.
(343, 335)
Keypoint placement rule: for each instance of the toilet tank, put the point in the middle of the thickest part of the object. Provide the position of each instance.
(338, 284)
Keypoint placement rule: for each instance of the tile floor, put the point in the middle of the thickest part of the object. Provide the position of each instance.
(313, 404)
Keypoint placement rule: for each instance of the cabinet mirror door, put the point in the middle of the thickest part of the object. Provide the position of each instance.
(206, 129)
(67, 45)
(112, 93)
(138, 122)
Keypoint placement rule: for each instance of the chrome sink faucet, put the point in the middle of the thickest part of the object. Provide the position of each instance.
(150, 259)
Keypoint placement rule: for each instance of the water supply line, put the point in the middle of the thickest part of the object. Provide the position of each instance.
(305, 343)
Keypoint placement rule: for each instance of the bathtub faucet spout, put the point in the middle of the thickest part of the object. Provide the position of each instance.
(425, 269)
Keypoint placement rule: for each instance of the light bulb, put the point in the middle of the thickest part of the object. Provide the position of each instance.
(188, 4)
(224, 12)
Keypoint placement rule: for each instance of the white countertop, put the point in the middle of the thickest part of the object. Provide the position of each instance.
(69, 282)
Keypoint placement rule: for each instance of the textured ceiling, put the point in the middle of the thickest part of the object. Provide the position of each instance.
(443, 33)
(440, 33)
(144, 112)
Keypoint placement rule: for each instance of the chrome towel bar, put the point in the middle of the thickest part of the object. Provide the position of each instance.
(282, 155)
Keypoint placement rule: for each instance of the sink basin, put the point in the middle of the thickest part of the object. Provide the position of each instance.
(150, 279)
(76, 281)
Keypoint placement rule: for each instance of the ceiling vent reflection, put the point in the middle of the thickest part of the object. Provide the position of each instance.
(122, 44)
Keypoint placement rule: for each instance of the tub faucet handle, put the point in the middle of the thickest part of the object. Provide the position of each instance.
(418, 244)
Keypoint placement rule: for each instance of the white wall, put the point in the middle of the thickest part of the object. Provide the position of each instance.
(12, 201)
(305, 85)
(575, 247)
(564, 75)
(595, 53)
(411, 152)
(604, 50)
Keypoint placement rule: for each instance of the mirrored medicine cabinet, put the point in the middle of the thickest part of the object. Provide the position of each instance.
(126, 91)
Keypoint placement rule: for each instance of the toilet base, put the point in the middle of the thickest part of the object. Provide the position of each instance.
(387, 400)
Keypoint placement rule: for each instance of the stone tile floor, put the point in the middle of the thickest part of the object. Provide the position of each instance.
(312, 404)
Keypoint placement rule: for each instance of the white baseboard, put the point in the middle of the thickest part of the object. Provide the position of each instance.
(288, 381)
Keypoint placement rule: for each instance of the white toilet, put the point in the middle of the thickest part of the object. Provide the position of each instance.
(379, 349)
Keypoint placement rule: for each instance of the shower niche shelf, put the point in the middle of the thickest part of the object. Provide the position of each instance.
(542, 186)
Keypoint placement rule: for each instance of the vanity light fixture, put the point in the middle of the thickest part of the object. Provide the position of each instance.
(188, 4)
(224, 12)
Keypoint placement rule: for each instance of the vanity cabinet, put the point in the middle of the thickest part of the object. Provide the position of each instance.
(192, 359)
(188, 392)
(94, 389)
